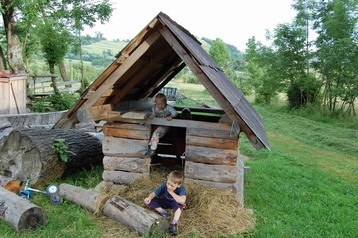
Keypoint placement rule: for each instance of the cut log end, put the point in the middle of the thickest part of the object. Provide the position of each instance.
(31, 219)
(20, 213)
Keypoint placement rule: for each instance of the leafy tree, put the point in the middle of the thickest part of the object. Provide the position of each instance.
(261, 65)
(55, 44)
(292, 65)
(68, 15)
(14, 46)
(337, 54)
(220, 53)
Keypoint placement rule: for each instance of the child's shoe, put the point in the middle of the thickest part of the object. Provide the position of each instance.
(173, 229)
(166, 214)
(150, 152)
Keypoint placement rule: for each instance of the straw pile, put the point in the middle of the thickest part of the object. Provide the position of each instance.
(212, 212)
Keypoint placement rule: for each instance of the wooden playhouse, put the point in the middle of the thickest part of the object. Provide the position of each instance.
(205, 145)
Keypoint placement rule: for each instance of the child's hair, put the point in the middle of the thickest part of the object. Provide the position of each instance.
(160, 97)
(176, 176)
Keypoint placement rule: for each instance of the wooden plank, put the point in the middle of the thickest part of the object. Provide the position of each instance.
(176, 123)
(124, 147)
(39, 80)
(210, 155)
(99, 112)
(138, 127)
(135, 115)
(127, 164)
(202, 132)
(219, 143)
(65, 83)
(133, 131)
(122, 177)
(207, 172)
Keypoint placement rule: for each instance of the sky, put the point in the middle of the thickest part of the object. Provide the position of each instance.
(233, 21)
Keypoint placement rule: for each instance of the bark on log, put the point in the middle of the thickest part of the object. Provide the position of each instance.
(88, 199)
(19, 212)
(136, 217)
(140, 219)
(28, 153)
(122, 177)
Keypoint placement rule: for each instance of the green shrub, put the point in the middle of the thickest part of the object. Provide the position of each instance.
(63, 101)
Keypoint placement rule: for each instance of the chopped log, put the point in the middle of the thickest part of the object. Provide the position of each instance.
(209, 172)
(208, 155)
(28, 153)
(113, 146)
(212, 142)
(20, 213)
(136, 217)
(122, 177)
(88, 199)
(125, 130)
(137, 165)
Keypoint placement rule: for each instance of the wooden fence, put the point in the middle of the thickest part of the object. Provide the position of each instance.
(42, 85)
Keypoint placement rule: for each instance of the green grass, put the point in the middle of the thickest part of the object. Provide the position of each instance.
(104, 45)
(306, 186)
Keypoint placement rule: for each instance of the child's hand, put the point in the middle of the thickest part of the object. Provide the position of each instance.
(151, 116)
(169, 118)
(146, 201)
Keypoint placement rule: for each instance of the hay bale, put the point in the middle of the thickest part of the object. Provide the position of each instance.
(211, 212)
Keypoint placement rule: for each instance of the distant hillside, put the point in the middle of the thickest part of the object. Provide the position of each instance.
(103, 52)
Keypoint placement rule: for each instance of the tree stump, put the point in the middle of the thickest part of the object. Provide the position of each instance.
(136, 217)
(28, 153)
(20, 213)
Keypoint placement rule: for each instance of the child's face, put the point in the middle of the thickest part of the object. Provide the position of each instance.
(160, 104)
(171, 186)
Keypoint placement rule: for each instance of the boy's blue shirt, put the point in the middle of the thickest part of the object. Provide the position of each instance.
(161, 191)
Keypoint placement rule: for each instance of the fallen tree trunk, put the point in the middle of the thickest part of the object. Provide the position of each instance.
(136, 217)
(20, 213)
(28, 153)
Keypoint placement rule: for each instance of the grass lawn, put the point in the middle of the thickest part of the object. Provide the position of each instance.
(306, 186)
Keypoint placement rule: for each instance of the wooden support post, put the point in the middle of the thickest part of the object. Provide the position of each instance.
(19, 212)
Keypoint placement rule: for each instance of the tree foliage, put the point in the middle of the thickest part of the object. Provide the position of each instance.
(50, 26)
(319, 70)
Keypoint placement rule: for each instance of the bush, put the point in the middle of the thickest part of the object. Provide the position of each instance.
(63, 101)
(55, 102)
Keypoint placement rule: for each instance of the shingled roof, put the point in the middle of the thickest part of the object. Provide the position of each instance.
(142, 68)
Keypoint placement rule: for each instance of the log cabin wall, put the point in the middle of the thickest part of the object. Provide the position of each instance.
(211, 155)
(124, 146)
(212, 158)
